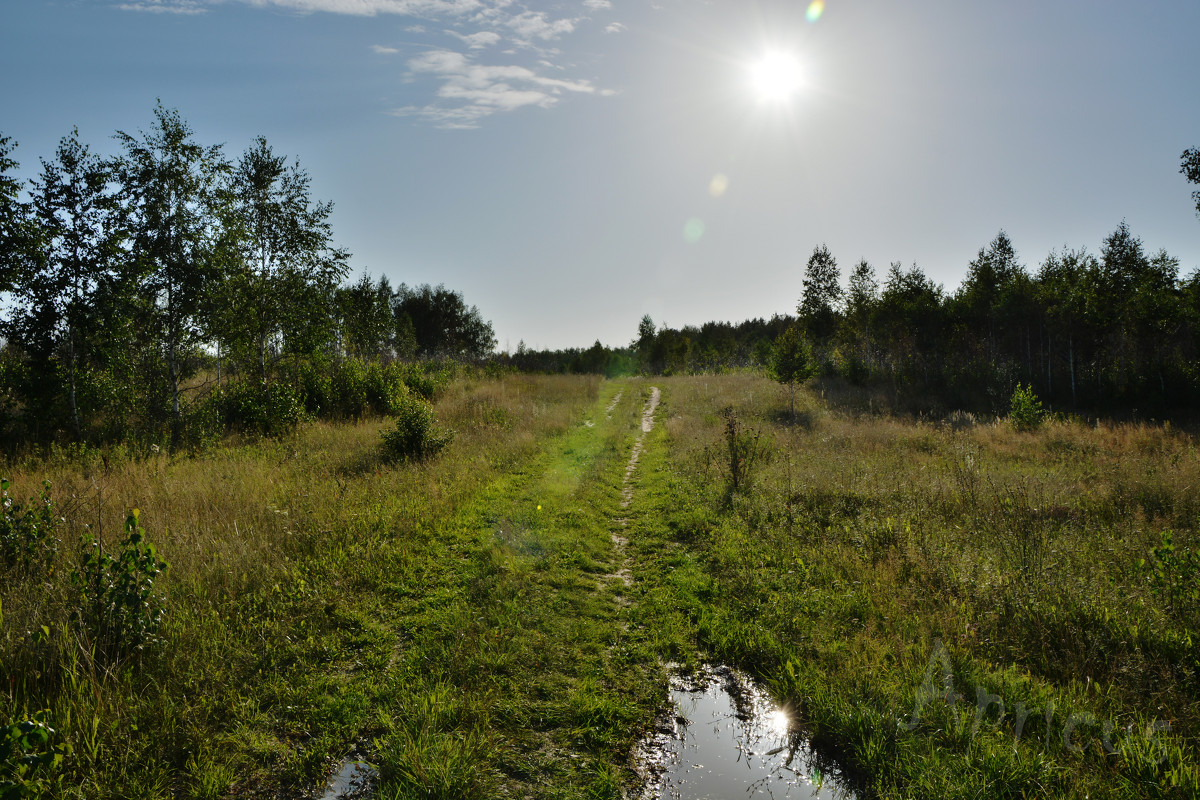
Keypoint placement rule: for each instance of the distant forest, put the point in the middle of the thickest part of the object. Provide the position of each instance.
(170, 293)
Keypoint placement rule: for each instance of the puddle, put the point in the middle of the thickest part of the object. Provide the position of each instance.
(353, 780)
(728, 740)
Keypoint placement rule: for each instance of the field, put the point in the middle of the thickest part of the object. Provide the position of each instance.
(951, 608)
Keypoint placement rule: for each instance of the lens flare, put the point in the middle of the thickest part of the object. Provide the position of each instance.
(718, 185)
(693, 229)
(815, 9)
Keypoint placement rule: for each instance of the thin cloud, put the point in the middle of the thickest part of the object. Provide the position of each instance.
(598, 5)
(614, 27)
(469, 92)
(384, 51)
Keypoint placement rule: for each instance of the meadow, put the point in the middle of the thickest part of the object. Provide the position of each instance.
(950, 607)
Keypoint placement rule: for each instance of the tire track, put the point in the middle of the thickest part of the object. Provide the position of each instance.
(620, 523)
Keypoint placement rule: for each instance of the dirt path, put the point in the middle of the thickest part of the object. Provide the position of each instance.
(620, 523)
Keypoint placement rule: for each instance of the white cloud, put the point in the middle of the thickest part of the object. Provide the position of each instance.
(464, 91)
(369, 8)
(615, 27)
(362, 8)
(165, 7)
(470, 91)
(529, 25)
(477, 41)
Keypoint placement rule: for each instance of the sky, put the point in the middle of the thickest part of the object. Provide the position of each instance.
(570, 166)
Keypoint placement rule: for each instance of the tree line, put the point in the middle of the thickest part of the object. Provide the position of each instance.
(126, 277)
(1114, 330)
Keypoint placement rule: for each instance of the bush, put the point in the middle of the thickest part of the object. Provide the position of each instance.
(28, 757)
(316, 388)
(27, 539)
(416, 434)
(385, 387)
(1026, 412)
(1174, 576)
(349, 393)
(118, 609)
(250, 407)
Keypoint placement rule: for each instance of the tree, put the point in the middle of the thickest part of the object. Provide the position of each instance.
(1190, 168)
(74, 208)
(818, 307)
(443, 325)
(288, 270)
(176, 213)
(862, 297)
(1063, 283)
(368, 329)
(984, 298)
(14, 219)
(911, 319)
(644, 344)
(791, 362)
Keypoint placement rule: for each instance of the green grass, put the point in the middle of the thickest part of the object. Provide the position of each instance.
(868, 553)
(892, 581)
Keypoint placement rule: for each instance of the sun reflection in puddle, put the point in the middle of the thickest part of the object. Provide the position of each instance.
(729, 741)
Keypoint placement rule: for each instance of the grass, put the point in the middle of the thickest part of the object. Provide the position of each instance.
(952, 608)
(316, 596)
(897, 581)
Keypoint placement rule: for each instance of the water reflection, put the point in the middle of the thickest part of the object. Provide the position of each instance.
(353, 779)
(731, 741)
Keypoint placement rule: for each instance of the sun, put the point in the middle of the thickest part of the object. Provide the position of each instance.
(776, 76)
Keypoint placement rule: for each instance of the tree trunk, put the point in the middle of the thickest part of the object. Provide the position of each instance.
(1071, 365)
(71, 380)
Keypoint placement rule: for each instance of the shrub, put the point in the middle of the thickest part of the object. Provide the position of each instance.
(349, 391)
(427, 380)
(118, 608)
(792, 362)
(27, 539)
(416, 434)
(1026, 412)
(250, 407)
(385, 387)
(316, 388)
(1174, 576)
(28, 755)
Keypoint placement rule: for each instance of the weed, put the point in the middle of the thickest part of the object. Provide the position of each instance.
(744, 447)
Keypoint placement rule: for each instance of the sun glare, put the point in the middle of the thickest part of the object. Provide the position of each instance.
(776, 76)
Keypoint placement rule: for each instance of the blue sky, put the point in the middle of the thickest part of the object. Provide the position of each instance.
(556, 161)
